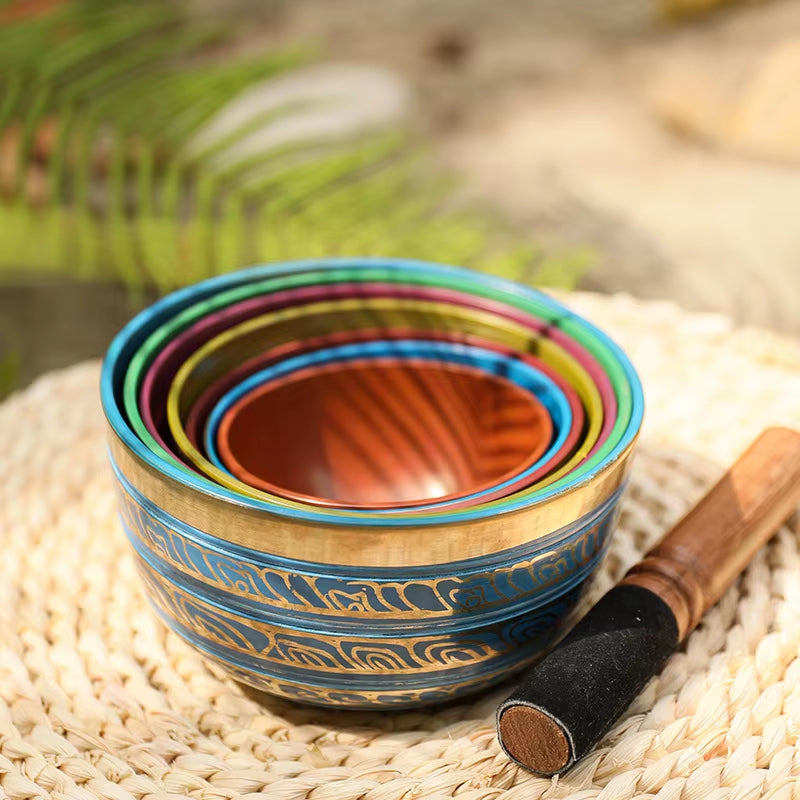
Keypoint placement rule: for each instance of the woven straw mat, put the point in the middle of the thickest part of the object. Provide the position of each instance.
(97, 699)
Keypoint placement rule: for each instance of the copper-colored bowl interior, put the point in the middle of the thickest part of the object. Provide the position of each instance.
(383, 432)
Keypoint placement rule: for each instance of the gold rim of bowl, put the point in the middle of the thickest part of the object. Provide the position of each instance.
(367, 545)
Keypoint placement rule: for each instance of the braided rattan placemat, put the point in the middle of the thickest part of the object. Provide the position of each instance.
(97, 699)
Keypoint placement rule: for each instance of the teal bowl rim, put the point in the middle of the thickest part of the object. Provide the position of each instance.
(132, 335)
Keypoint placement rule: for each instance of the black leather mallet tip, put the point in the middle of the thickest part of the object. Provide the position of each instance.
(570, 699)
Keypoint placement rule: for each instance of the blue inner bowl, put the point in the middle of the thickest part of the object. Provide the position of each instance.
(519, 372)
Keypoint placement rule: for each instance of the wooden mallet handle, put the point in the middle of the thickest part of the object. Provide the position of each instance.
(571, 698)
(696, 562)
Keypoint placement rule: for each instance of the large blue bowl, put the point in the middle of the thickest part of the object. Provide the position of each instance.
(353, 611)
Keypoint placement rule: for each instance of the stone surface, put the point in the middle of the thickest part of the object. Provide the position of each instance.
(667, 219)
(587, 159)
(742, 102)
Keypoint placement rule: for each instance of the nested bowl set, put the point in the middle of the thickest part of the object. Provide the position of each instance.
(367, 482)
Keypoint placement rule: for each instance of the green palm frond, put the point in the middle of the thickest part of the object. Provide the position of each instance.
(98, 101)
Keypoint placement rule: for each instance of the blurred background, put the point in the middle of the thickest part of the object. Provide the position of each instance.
(644, 146)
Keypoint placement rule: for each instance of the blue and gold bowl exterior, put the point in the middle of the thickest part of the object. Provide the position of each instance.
(361, 637)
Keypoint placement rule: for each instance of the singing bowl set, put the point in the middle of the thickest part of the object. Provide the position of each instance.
(367, 483)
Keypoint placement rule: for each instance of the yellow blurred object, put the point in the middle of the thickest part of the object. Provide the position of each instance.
(685, 8)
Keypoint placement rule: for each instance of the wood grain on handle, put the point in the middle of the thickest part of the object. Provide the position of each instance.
(702, 555)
